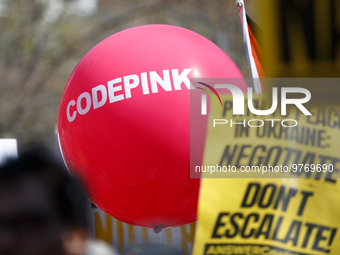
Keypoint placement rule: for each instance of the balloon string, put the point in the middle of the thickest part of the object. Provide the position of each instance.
(160, 238)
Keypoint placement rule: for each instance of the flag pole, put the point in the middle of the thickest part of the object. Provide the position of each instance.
(254, 73)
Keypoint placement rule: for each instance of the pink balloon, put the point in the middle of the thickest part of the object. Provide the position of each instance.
(124, 122)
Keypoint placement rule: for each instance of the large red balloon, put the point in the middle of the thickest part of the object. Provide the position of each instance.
(124, 122)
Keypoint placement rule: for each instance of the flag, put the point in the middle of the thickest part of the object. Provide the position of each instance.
(253, 50)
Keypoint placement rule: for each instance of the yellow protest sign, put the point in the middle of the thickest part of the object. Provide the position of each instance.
(260, 215)
(251, 146)
(268, 216)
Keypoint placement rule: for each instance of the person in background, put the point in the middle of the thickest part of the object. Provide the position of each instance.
(43, 209)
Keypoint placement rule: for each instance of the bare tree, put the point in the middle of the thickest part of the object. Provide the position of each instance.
(40, 46)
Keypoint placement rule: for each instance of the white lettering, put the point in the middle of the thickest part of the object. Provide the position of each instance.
(165, 83)
(145, 85)
(220, 121)
(178, 79)
(262, 112)
(128, 86)
(96, 103)
(289, 120)
(239, 123)
(100, 93)
(297, 101)
(112, 90)
(69, 117)
(87, 96)
(262, 123)
(238, 97)
(272, 120)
